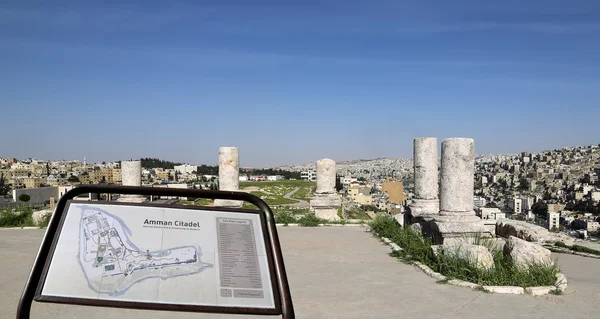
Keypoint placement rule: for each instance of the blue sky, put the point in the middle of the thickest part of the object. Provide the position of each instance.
(294, 81)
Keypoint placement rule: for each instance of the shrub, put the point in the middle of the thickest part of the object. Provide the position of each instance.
(504, 272)
(310, 220)
(20, 218)
(24, 198)
(583, 249)
(284, 217)
(561, 244)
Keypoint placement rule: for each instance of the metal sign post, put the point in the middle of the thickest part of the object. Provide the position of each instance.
(99, 231)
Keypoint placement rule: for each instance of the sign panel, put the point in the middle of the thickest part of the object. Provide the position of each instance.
(160, 255)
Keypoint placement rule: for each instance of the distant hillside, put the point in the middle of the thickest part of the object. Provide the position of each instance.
(157, 163)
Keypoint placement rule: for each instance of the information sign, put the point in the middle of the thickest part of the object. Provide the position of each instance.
(162, 257)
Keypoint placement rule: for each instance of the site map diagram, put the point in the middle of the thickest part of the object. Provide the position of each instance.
(112, 263)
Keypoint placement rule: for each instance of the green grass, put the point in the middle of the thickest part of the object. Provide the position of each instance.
(556, 291)
(577, 248)
(305, 192)
(504, 272)
(262, 184)
(273, 192)
(583, 249)
(273, 199)
(45, 221)
(285, 218)
(20, 218)
(310, 220)
(357, 214)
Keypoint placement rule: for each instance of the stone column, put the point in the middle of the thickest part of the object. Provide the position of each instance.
(326, 201)
(425, 203)
(229, 175)
(457, 219)
(131, 175)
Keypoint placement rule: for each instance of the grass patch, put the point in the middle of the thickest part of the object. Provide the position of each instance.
(285, 218)
(273, 199)
(310, 220)
(305, 192)
(203, 202)
(481, 289)
(578, 248)
(274, 192)
(293, 183)
(504, 272)
(556, 292)
(355, 213)
(583, 249)
(21, 217)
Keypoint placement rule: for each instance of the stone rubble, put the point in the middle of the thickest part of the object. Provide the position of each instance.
(475, 254)
(40, 215)
(529, 232)
(524, 253)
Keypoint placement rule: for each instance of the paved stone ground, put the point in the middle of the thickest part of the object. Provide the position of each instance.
(338, 272)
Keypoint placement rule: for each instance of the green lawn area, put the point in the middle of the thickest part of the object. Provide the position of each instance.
(273, 199)
(262, 184)
(305, 192)
(273, 192)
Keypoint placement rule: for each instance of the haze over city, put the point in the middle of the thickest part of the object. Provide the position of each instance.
(294, 82)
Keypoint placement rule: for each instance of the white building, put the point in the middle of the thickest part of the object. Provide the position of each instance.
(526, 203)
(275, 177)
(553, 221)
(185, 169)
(479, 201)
(515, 205)
(492, 213)
(309, 175)
(484, 180)
(346, 180)
(243, 178)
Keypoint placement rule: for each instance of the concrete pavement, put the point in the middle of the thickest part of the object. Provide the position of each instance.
(338, 272)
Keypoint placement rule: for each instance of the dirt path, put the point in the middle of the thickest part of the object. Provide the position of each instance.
(300, 202)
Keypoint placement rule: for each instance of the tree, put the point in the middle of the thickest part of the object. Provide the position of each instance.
(24, 198)
(491, 205)
(338, 183)
(524, 184)
(73, 179)
(540, 209)
(4, 187)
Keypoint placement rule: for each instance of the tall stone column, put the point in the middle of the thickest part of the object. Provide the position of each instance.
(425, 203)
(229, 175)
(457, 219)
(326, 201)
(131, 175)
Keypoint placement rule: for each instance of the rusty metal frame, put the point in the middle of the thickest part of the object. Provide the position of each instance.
(279, 282)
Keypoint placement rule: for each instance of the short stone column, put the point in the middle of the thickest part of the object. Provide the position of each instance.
(229, 175)
(131, 175)
(457, 219)
(326, 201)
(425, 202)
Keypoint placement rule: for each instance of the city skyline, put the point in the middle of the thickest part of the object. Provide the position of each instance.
(85, 159)
(293, 83)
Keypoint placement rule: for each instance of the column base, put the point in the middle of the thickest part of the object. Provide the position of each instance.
(458, 226)
(425, 209)
(326, 206)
